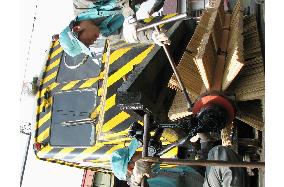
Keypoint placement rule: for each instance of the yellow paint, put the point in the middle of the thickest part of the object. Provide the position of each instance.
(127, 68)
(92, 81)
(44, 151)
(53, 45)
(117, 54)
(171, 153)
(49, 88)
(43, 135)
(52, 86)
(64, 152)
(117, 141)
(56, 52)
(52, 65)
(43, 104)
(87, 152)
(114, 135)
(115, 121)
(147, 20)
(110, 102)
(114, 148)
(167, 17)
(70, 85)
(43, 119)
(49, 77)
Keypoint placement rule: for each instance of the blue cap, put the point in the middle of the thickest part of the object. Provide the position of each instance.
(71, 45)
(121, 157)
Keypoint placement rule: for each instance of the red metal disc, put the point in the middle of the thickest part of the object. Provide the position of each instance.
(214, 99)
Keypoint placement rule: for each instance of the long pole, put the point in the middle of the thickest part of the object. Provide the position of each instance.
(205, 162)
(25, 160)
(145, 144)
(165, 47)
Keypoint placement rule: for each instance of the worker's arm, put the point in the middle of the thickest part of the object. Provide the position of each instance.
(130, 34)
(140, 170)
(131, 24)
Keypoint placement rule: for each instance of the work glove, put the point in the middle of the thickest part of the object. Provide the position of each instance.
(129, 29)
(160, 38)
(140, 170)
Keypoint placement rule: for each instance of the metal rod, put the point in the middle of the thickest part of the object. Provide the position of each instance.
(175, 18)
(205, 162)
(165, 47)
(145, 135)
(25, 160)
(145, 144)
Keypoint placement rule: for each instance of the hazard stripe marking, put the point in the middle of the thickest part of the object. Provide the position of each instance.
(123, 125)
(115, 135)
(117, 54)
(56, 52)
(43, 135)
(170, 153)
(64, 152)
(115, 121)
(52, 65)
(43, 151)
(108, 153)
(49, 77)
(127, 68)
(88, 152)
(49, 88)
(44, 119)
(92, 81)
(70, 85)
(110, 102)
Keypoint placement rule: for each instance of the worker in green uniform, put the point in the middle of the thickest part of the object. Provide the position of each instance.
(126, 166)
(105, 18)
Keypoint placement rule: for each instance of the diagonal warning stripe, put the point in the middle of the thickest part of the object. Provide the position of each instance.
(87, 152)
(127, 68)
(166, 17)
(49, 77)
(115, 121)
(53, 45)
(114, 135)
(44, 119)
(41, 93)
(110, 102)
(92, 81)
(108, 153)
(117, 54)
(64, 152)
(52, 65)
(56, 52)
(43, 135)
(70, 85)
(44, 151)
(44, 104)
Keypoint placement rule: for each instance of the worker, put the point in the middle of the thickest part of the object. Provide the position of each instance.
(105, 18)
(126, 166)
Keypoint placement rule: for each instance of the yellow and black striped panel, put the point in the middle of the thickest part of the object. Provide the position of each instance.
(116, 122)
